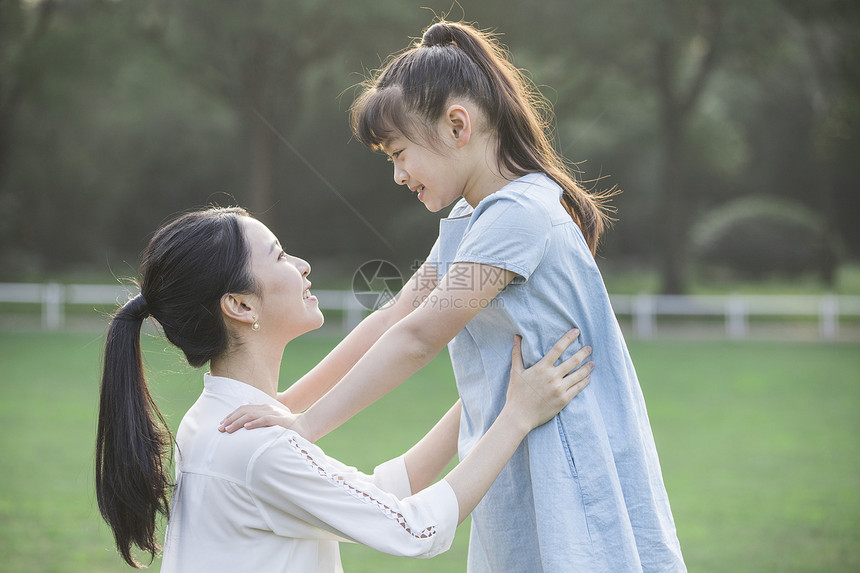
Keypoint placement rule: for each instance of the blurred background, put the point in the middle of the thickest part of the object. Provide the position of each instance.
(732, 128)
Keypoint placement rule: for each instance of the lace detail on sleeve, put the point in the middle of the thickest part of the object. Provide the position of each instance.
(340, 481)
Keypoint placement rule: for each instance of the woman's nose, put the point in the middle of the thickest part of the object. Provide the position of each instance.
(304, 267)
(400, 176)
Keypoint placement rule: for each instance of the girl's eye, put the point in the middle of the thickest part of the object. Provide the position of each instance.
(394, 156)
(283, 255)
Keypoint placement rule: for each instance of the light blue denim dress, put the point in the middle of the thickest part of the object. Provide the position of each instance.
(584, 492)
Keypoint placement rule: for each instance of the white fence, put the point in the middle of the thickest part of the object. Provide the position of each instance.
(737, 310)
(644, 310)
(54, 297)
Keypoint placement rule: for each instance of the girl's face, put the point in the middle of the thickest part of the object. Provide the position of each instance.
(286, 305)
(436, 177)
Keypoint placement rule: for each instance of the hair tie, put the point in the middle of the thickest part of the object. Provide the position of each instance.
(438, 34)
(135, 309)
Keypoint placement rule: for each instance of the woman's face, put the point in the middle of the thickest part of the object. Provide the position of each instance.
(286, 305)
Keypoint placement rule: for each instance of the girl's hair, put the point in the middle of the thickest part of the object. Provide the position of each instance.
(455, 59)
(188, 266)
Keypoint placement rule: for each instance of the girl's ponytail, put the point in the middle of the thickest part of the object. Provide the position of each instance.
(131, 440)
(454, 59)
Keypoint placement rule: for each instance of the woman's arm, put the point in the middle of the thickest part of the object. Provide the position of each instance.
(313, 385)
(407, 346)
(535, 396)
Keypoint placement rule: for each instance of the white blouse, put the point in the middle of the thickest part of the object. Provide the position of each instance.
(268, 500)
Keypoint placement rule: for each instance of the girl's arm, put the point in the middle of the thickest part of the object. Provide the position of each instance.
(534, 396)
(426, 460)
(313, 385)
(407, 346)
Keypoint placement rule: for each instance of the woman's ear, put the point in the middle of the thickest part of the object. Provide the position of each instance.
(458, 125)
(239, 307)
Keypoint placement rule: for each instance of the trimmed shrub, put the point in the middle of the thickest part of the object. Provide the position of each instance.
(760, 237)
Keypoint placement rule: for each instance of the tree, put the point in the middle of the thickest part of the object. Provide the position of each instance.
(259, 59)
(828, 33)
(667, 53)
(21, 29)
(106, 141)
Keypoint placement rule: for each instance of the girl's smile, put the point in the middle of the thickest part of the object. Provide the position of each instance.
(456, 162)
(434, 177)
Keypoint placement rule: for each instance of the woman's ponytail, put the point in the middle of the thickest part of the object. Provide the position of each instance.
(131, 440)
(188, 266)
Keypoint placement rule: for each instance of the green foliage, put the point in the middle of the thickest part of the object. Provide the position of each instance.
(756, 237)
(108, 141)
(115, 115)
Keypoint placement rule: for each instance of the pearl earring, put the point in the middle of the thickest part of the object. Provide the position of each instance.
(256, 325)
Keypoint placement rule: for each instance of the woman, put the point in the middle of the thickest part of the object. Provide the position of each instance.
(225, 293)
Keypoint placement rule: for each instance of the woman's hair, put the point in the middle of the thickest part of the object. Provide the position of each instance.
(188, 266)
(411, 93)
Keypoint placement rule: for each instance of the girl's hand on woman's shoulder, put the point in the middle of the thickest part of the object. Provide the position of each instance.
(257, 416)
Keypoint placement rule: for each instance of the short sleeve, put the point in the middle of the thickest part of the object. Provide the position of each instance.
(508, 230)
(302, 492)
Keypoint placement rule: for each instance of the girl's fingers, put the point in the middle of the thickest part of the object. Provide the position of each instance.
(239, 418)
(226, 422)
(574, 361)
(234, 415)
(235, 424)
(260, 422)
(248, 420)
(559, 347)
(252, 416)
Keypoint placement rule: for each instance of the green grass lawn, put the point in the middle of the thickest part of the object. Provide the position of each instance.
(758, 442)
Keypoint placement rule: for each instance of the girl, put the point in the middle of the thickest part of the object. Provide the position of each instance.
(515, 255)
(224, 291)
